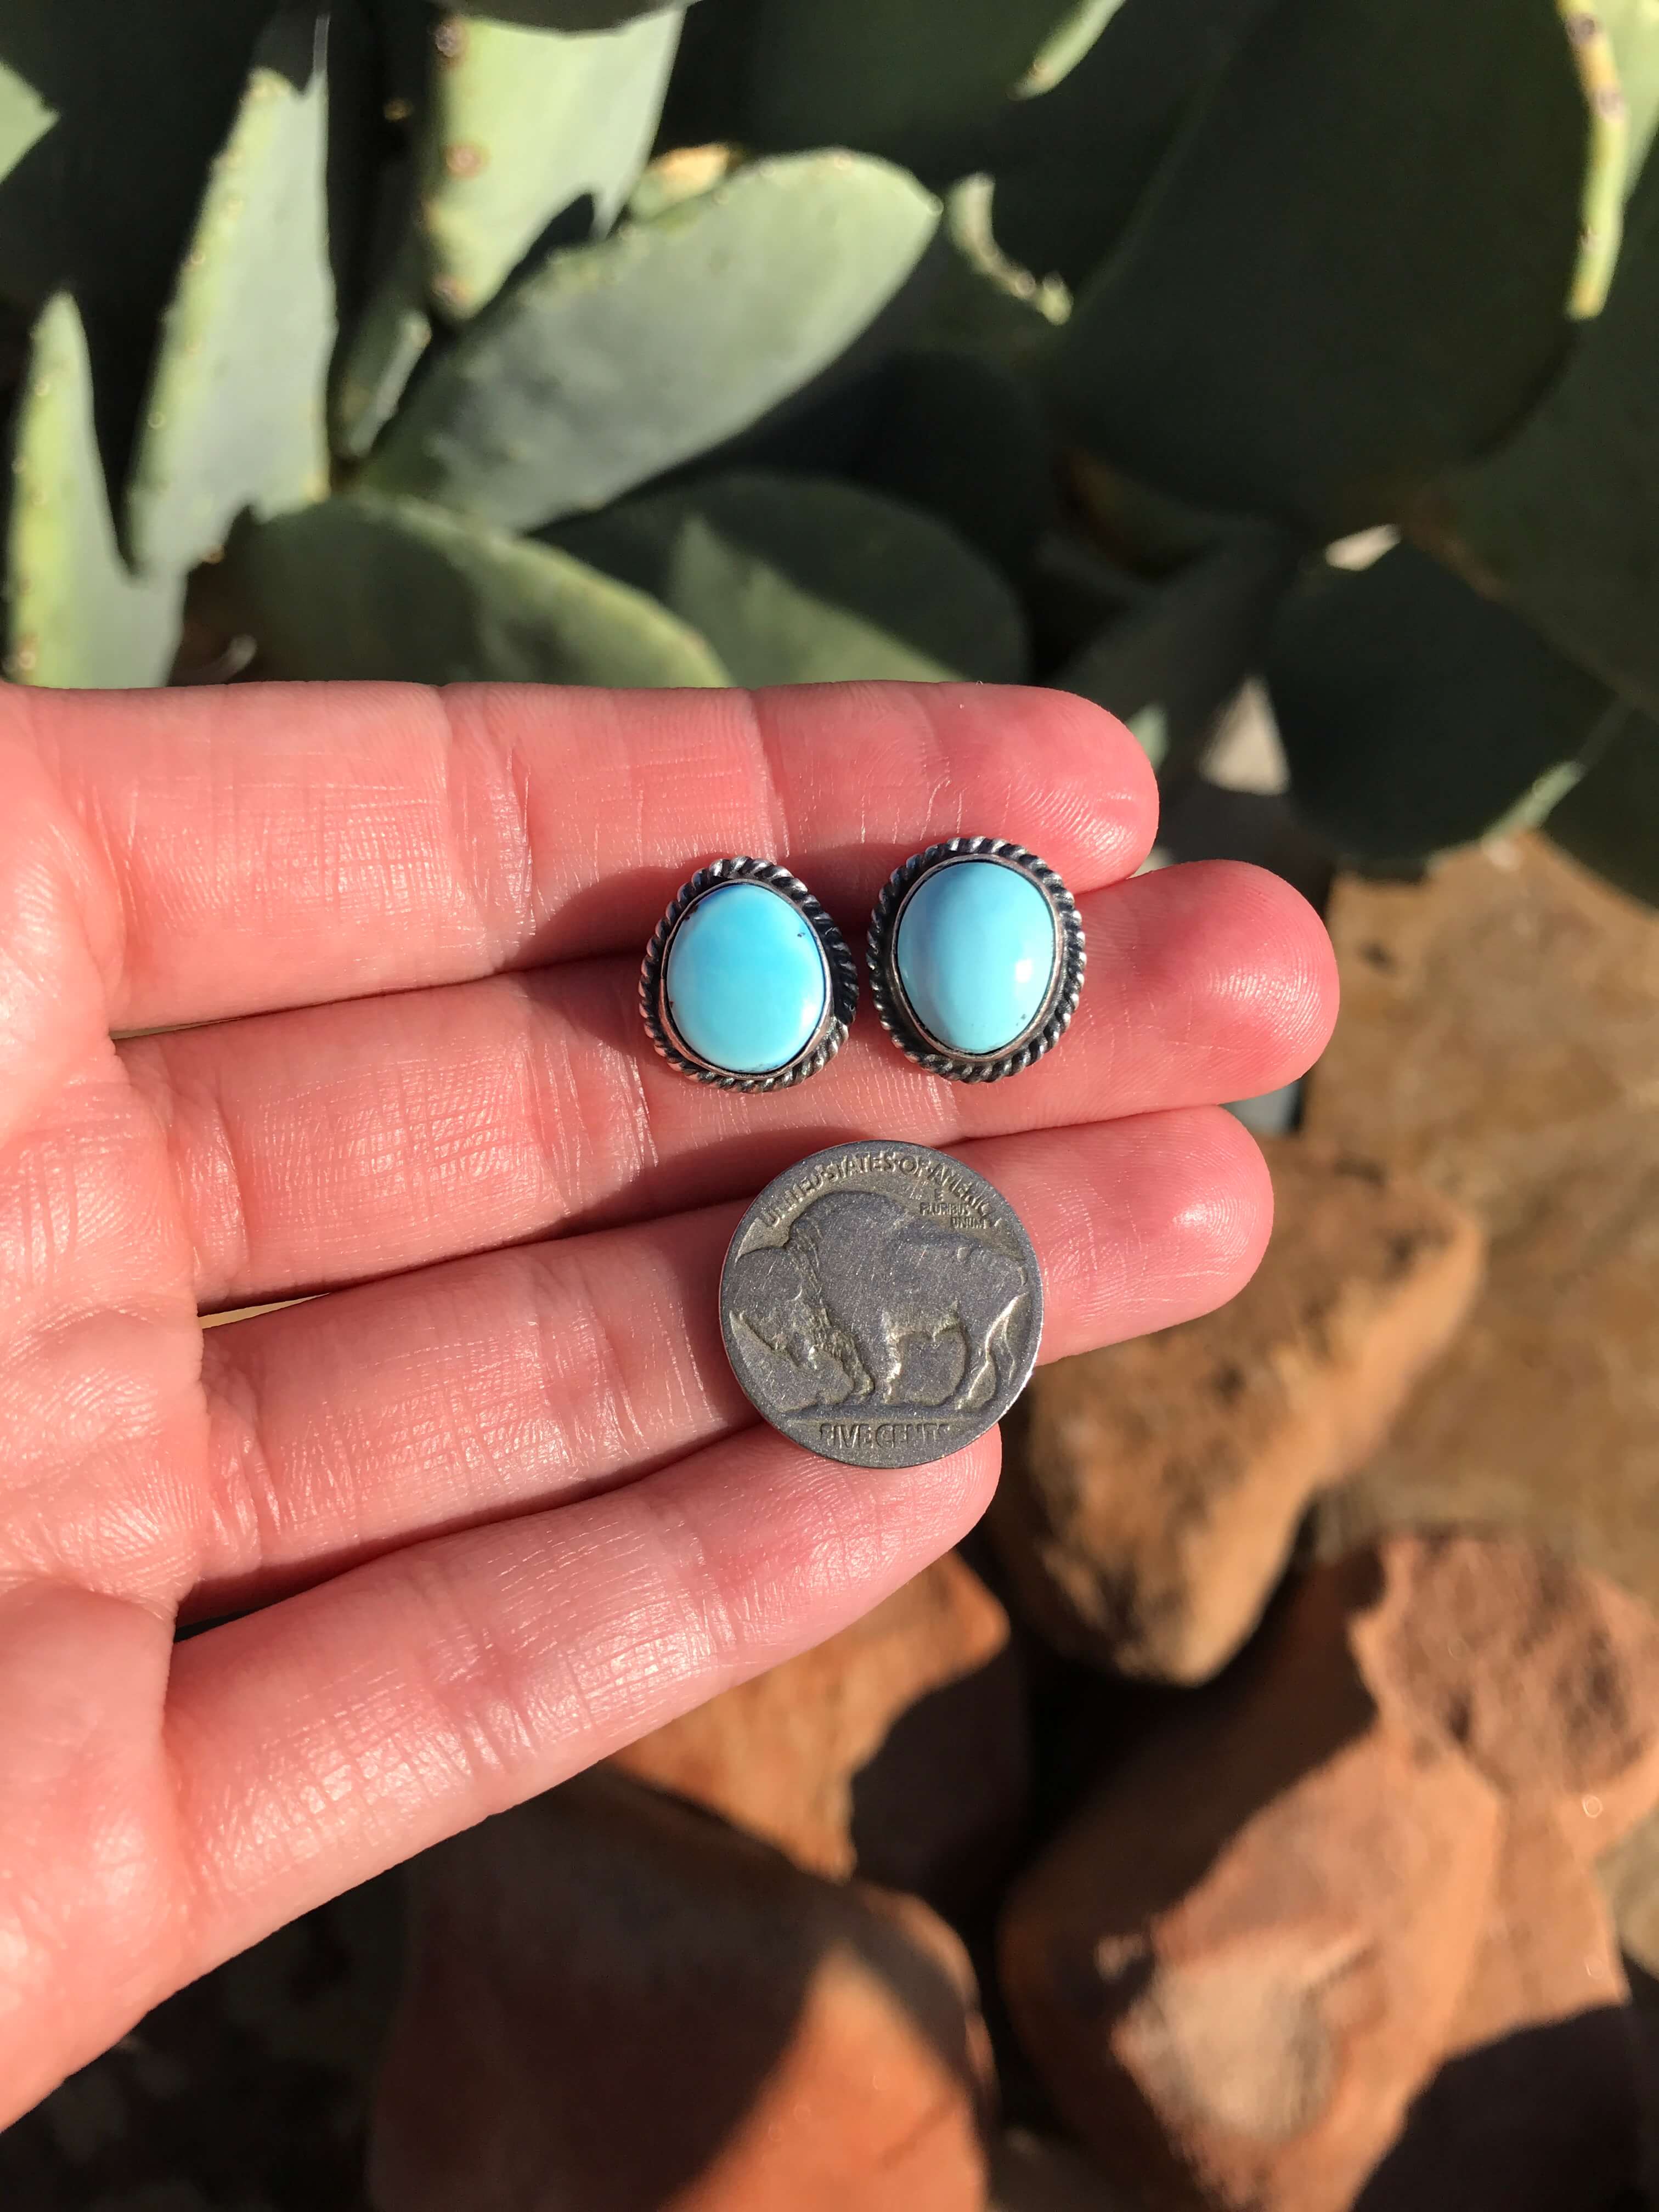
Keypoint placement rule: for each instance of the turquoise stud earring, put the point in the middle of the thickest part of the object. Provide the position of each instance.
(976, 958)
(747, 982)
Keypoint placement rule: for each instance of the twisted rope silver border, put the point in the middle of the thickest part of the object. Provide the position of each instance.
(839, 1010)
(888, 994)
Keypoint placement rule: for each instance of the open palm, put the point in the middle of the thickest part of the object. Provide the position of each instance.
(496, 1506)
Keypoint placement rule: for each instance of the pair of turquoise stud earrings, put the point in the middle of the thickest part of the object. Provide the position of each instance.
(976, 958)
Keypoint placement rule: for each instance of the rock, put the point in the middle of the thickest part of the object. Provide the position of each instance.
(1535, 2106)
(1031, 2175)
(778, 1756)
(618, 2002)
(940, 1810)
(1629, 1877)
(1547, 1678)
(1500, 1036)
(1545, 1675)
(1236, 1966)
(1152, 1490)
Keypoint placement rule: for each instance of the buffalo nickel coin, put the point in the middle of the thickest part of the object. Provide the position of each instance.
(881, 1304)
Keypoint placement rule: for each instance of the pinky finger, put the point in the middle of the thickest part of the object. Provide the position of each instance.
(332, 1736)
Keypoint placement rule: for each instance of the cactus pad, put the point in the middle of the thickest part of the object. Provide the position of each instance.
(392, 334)
(923, 83)
(520, 125)
(612, 363)
(803, 580)
(1610, 818)
(76, 616)
(366, 587)
(25, 118)
(235, 414)
(1295, 323)
(1417, 715)
(1563, 520)
(558, 14)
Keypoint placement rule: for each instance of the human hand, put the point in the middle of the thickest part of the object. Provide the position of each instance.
(497, 1506)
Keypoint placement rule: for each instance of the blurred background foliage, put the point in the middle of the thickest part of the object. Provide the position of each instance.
(764, 341)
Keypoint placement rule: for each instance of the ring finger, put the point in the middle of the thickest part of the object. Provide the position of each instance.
(523, 1379)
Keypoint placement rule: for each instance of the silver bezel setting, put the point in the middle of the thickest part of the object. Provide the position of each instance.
(898, 1016)
(841, 1000)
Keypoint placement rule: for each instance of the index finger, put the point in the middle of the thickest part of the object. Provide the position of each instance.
(280, 845)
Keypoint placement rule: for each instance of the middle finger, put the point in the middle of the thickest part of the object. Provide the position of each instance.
(335, 1143)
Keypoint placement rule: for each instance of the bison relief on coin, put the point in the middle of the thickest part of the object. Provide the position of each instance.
(882, 1304)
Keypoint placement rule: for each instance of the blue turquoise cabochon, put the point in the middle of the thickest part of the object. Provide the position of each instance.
(746, 981)
(975, 953)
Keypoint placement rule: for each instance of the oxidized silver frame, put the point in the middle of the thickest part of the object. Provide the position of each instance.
(841, 1000)
(898, 1016)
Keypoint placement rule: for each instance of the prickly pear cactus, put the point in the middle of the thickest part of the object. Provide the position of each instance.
(522, 124)
(235, 416)
(369, 588)
(1417, 714)
(798, 579)
(75, 614)
(606, 342)
(614, 362)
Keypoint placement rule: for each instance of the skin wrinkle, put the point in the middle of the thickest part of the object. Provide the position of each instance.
(563, 1326)
(465, 1430)
(210, 1164)
(109, 1734)
(538, 1090)
(600, 1106)
(500, 869)
(97, 893)
(638, 1123)
(763, 737)
(387, 1735)
(605, 1329)
(239, 1498)
(469, 1681)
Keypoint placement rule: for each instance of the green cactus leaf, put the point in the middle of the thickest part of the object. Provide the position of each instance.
(76, 617)
(1064, 46)
(964, 438)
(1632, 25)
(25, 118)
(1610, 818)
(1563, 520)
(1325, 301)
(104, 202)
(982, 303)
(1182, 645)
(1072, 167)
(560, 14)
(235, 414)
(522, 122)
(392, 334)
(803, 580)
(612, 363)
(1416, 714)
(364, 588)
(921, 81)
(1615, 49)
